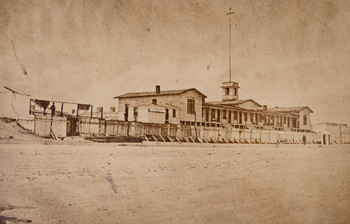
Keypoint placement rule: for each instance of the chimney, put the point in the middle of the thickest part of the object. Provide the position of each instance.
(157, 89)
(264, 107)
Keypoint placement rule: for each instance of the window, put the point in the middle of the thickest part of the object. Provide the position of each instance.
(136, 111)
(154, 101)
(284, 120)
(245, 116)
(166, 115)
(235, 115)
(207, 114)
(305, 120)
(235, 91)
(174, 113)
(227, 91)
(224, 114)
(213, 114)
(190, 106)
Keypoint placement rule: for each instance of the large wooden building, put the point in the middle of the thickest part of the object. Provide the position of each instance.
(188, 107)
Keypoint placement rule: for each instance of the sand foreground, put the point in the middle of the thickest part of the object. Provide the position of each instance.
(109, 183)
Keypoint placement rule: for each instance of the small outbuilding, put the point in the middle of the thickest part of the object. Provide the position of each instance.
(13, 104)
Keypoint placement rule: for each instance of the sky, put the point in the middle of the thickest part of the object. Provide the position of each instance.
(284, 53)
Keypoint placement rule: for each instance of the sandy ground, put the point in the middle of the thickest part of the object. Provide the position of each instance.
(110, 183)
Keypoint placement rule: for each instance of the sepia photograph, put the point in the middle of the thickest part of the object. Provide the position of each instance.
(188, 111)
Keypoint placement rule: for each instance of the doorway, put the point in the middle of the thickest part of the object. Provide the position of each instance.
(166, 116)
(126, 114)
(72, 126)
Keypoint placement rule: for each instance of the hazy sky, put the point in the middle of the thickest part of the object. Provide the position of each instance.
(285, 53)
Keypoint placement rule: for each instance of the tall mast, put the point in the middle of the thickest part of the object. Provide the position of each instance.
(229, 44)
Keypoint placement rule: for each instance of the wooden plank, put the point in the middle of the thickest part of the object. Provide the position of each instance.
(213, 140)
(53, 135)
(161, 137)
(170, 139)
(146, 138)
(200, 140)
(192, 139)
(177, 139)
(232, 141)
(225, 140)
(205, 140)
(154, 137)
(186, 139)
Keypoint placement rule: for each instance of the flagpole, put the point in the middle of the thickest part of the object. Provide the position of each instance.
(229, 45)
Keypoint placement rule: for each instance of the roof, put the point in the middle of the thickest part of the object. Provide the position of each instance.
(332, 124)
(232, 103)
(162, 93)
(289, 109)
(15, 91)
(98, 114)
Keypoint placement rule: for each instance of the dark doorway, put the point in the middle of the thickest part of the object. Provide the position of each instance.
(166, 116)
(126, 114)
(72, 125)
(207, 114)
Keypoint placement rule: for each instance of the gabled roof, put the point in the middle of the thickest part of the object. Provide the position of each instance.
(289, 109)
(233, 103)
(162, 93)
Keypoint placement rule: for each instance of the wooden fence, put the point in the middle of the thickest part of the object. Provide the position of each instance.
(95, 126)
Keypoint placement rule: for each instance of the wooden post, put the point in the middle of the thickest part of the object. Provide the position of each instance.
(101, 113)
(195, 124)
(77, 110)
(30, 106)
(105, 127)
(62, 110)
